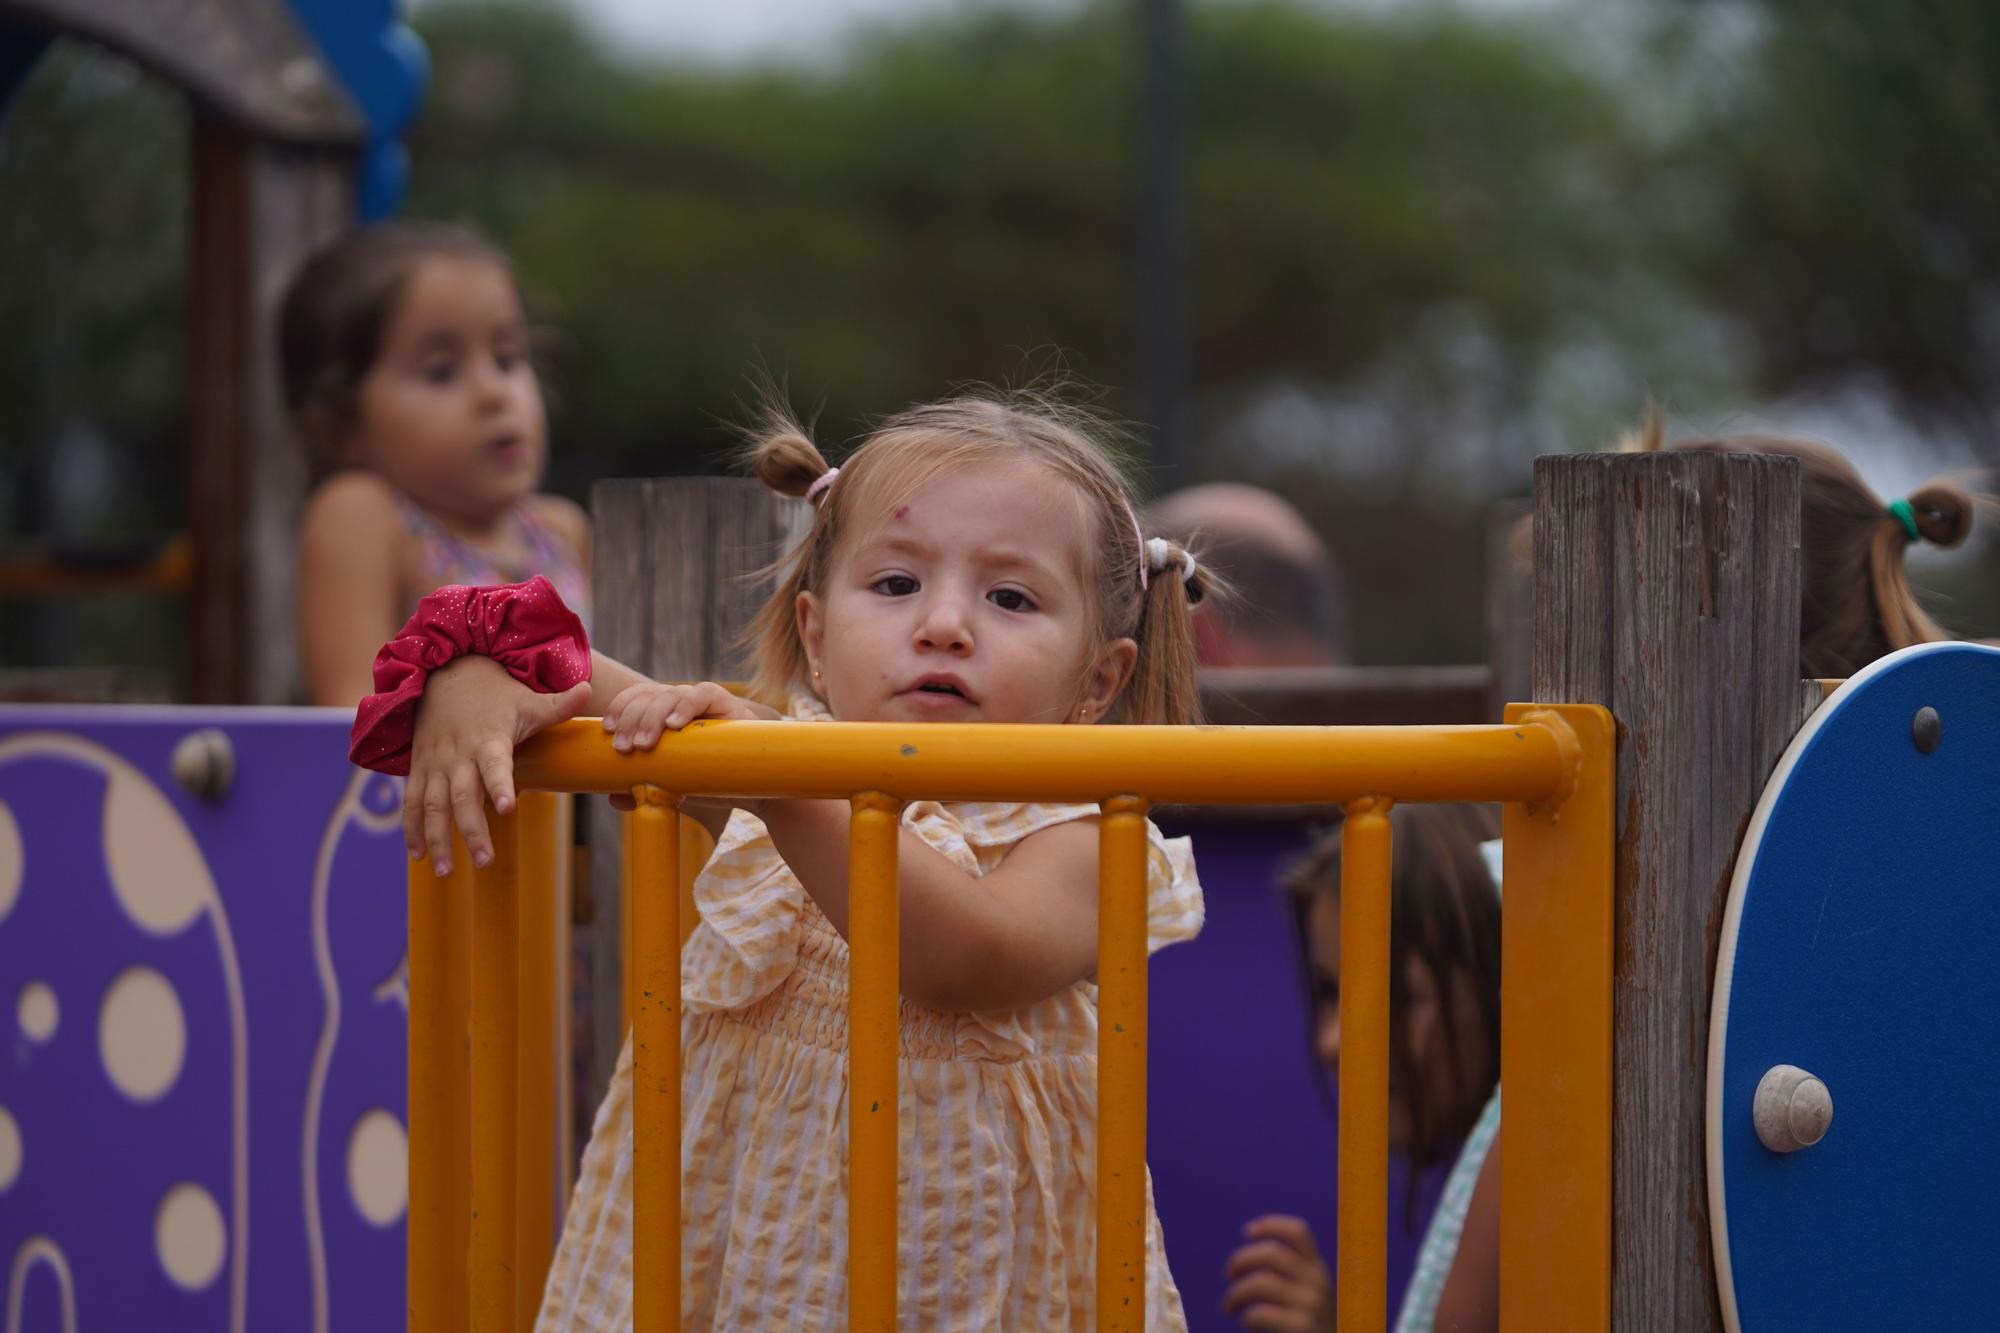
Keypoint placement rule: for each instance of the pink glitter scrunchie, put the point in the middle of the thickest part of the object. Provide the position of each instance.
(525, 627)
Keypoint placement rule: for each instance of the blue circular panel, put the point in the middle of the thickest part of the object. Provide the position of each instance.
(1862, 943)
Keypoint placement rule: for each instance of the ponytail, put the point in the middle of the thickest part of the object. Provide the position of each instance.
(1940, 513)
(1163, 688)
(782, 455)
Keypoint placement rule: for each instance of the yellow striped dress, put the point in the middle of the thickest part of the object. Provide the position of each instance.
(996, 1189)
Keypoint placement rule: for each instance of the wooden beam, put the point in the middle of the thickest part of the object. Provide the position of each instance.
(1345, 696)
(1666, 587)
(670, 593)
(246, 61)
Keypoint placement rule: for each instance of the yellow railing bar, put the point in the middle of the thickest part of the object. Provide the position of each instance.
(873, 998)
(1364, 1066)
(536, 1071)
(1121, 1066)
(656, 1063)
(1553, 765)
(495, 1047)
(970, 762)
(440, 969)
(1555, 1041)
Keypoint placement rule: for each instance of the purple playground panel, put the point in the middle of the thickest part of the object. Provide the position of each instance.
(201, 1126)
(202, 1119)
(1240, 1119)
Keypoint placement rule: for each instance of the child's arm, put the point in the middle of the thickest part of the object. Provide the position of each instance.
(350, 585)
(968, 942)
(474, 714)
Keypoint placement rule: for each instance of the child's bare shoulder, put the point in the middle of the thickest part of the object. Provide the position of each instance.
(353, 497)
(352, 519)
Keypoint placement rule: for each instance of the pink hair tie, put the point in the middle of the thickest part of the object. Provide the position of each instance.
(1138, 541)
(818, 488)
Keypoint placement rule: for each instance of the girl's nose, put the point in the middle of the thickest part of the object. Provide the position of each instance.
(944, 627)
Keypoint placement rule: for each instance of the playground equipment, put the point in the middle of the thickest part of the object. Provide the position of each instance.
(1666, 589)
(1551, 764)
(1851, 1171)
(299, 110)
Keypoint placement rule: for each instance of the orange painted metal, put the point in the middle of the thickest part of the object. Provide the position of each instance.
(654, 895)
(440, 1215)
(495, 1051)
(537, 1072)
(1121, 1066)
(1555, 1038)
(873, 999)
(1364, 1066)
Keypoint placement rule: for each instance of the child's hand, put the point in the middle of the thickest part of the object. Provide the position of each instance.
(1278, 1281)
(640, 713)
(472, 716)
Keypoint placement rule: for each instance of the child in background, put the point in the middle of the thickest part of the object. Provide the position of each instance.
(406, 364)
(1444, 1070)
(1856, 603)
(976, 560)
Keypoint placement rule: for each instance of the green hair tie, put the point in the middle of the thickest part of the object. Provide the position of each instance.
(1907, 517)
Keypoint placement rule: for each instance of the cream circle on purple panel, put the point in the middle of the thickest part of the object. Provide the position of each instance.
(378, 1167)
(38, 1012)
(10, 1150)
(188, 1236)
(10, 861)
(142, 1034)
(156, 869)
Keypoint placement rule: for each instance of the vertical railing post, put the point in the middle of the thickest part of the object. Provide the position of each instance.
(1121, 1065)
(1364, 1067)
(495, 1051)
(656, 1064)
(1666, 588)
(440, 1184)
(874, 1001)
(1555, 1037)
(537, 1076)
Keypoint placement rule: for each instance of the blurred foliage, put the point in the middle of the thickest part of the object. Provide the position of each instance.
(952, 199)
(1425, 243)
(1860, 232)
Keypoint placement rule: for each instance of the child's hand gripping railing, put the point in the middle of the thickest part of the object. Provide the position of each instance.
(477, 1259)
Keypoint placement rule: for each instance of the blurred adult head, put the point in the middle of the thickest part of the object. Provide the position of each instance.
(1287, 608)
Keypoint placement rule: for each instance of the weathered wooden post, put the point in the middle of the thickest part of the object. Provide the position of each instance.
(673, 588)
(1666, 587)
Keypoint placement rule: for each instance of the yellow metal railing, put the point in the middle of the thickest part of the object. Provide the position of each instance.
(478, 1236)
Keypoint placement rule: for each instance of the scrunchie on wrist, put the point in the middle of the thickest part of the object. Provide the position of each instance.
(525, 627)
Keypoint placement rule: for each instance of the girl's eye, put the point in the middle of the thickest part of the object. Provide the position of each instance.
(896, 585)
(1327, 994)
(439, 372)
(1011, 599)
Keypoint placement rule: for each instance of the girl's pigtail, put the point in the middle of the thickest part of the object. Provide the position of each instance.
(1942, 514)
(782, 456)
(1163, 688)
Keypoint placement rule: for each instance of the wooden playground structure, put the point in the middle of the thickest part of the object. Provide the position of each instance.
(1666, 685)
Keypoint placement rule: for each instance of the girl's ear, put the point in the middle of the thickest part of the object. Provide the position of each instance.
(1108, 675)
(811, 620)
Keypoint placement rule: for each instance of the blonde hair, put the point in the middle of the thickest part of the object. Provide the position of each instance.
(1856, 602)
(912, 447)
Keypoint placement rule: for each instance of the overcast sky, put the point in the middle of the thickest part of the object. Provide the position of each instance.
(752, 29)
(734, 30)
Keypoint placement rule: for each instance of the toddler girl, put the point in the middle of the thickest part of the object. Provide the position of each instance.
(406, 364)
(975, 560)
